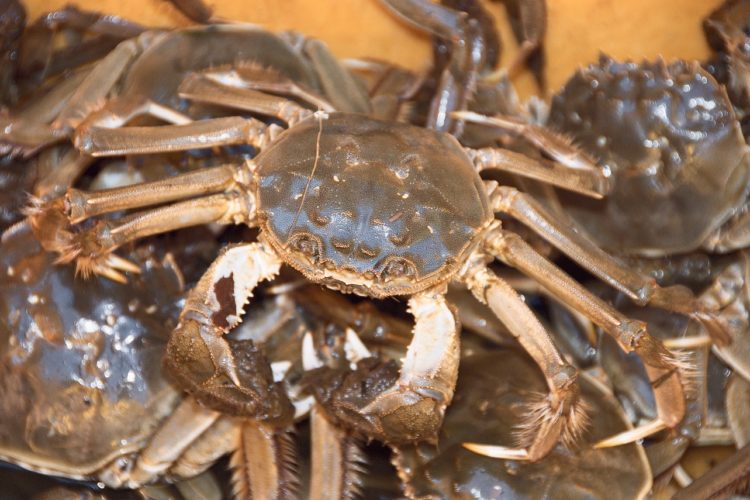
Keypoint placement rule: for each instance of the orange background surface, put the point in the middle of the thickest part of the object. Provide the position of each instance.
(578, 30)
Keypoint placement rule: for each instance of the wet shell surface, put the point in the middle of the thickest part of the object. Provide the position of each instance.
(386, 204)
(490, 402)
(669, 136)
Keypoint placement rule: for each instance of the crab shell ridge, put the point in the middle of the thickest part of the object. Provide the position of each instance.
(370, 207)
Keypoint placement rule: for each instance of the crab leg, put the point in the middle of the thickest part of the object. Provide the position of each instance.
(557, 146)
(557, 415)
(251, 77)
(641, 289)
(195, 10)
(468, 52)
(199, 88)
(102, 141)
(661, 365)
(89, 93)
(733, 235)
(81, 205)
(337, 460)
(91, 249)
(92, 22)
(218, 440)
(100, 81)
(234, 378)
(47, 106)
(221, 208)
(264, 463)
(345, 92)
(120, 110)
(62, 173)
(530, 25)
(591, 183)
(21, 138)
(183, 427)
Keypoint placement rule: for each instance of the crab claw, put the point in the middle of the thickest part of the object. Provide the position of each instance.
(362, 400)
(350, 395)
(390, 403)
(238, 382)
(232, 377)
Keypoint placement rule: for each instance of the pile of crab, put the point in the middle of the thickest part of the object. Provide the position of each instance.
(238, 245)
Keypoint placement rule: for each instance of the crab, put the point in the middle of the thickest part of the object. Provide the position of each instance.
(51, 61)
(670, 137)
(363, 206)
(83, 395)
(125, 84)
(92, 349)
(490, 391)
(466, 50)
(490, 403)
(715, 411)
(683, 154)
(64, 421)
(726, 32)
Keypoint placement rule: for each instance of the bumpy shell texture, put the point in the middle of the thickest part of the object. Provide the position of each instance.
(670, 137)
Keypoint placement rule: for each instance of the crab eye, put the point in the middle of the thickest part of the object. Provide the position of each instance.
(398, 268)
(306, 244)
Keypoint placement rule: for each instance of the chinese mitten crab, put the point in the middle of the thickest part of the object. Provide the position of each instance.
(139, 78)
(490, 391)
(679, 162)
(680, 165)
(82, 391)
(364, 206)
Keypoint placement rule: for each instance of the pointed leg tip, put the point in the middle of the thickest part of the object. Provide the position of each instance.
(632, 435)
(112, 275)
(116, 262)
(497, 451)
(691, 342)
